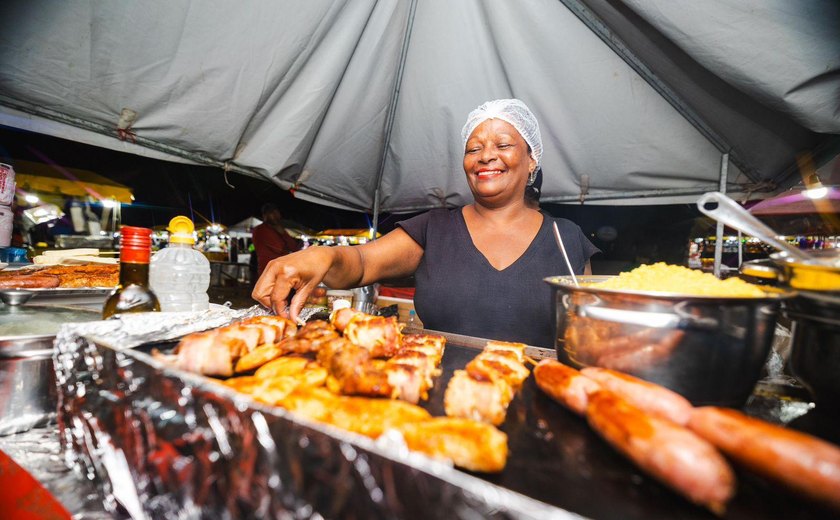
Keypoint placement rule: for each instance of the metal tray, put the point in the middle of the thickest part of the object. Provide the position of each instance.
(166, 442)
(92, 297)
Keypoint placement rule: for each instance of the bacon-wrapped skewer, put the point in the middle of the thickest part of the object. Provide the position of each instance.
(216, 352)
(308, 339)
(207, 353)
(380, 335)
(407, 376)
(487, 385)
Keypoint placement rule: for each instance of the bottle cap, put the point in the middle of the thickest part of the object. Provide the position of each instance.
(135, 244)
(181, 230)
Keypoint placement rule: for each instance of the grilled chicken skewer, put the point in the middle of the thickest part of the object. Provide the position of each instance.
(469, 444)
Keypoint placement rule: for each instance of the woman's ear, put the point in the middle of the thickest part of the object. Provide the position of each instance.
(532, 164)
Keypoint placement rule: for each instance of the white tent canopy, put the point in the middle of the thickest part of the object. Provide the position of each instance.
(359, 103)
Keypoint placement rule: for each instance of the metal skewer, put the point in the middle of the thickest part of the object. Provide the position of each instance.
(565, 256)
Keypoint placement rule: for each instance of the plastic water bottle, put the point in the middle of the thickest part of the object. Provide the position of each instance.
(180, 275)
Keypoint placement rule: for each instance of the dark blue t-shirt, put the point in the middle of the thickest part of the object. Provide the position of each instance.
(458, 291)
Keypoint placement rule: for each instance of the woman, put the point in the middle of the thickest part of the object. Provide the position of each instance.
(479, 269)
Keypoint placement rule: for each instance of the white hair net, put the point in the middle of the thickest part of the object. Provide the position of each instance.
(511, 111)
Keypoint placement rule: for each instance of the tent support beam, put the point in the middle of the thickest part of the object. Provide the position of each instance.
(389, 119)
(625, 195)
(724, 173)
(594, 23)
(138, 140)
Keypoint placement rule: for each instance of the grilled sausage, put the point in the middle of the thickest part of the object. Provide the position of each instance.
(652, 398)
(807, 465)
(32, 281)
(565, 385)
(668, 452)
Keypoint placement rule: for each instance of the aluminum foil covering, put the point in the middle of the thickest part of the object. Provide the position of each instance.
(169, 444)
(39, 452)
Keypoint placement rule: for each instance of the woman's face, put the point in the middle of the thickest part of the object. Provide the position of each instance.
(497, 161)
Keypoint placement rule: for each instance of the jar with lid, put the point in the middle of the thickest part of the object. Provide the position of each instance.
(180, 274)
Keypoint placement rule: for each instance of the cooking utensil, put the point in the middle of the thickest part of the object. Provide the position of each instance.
(709, 349)
(565, 255)
(733, 215)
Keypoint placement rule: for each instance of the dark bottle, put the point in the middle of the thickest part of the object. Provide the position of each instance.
(133, 293)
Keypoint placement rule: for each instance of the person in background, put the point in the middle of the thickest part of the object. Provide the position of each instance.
(478, 269)
(271, 240)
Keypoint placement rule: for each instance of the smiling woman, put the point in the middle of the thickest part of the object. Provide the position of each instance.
(478, 269)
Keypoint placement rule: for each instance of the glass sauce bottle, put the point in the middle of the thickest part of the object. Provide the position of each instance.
(133, 293)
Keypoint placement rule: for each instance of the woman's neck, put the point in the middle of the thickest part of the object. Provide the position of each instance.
(508, 213)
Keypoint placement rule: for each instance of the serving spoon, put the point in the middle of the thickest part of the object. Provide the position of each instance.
(733, 215)
(565, 256)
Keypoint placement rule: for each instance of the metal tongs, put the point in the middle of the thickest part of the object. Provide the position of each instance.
(731, 213)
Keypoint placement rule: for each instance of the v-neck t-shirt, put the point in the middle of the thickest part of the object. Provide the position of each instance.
(457, 289)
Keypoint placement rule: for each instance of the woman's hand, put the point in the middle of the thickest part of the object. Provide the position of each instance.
(299, 272)
(393, 256)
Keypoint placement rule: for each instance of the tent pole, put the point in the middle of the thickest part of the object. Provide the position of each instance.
(724, 169)
(389, 119)
(375, 227)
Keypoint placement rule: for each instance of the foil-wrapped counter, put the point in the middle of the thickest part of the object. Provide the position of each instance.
(168, 444)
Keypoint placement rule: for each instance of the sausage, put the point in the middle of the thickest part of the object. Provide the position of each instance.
(807, 465)
(565, 385)
(668, 452)
(652, 398)
(32, 281)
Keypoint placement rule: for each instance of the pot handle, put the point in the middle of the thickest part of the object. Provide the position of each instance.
(679, 319)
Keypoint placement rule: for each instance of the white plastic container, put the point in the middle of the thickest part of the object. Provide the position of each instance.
(7, 184)
(180, 275)
(7, 217)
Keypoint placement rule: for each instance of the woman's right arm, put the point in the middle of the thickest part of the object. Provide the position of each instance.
(392, 256)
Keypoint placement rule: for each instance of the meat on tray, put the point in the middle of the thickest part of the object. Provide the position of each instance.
(485, 388)
(345, 383)
(677, 443)
(71, 276)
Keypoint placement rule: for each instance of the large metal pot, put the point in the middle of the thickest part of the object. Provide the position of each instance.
(815, 352)
(815, 315)
(27, 379)
(709, 349)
